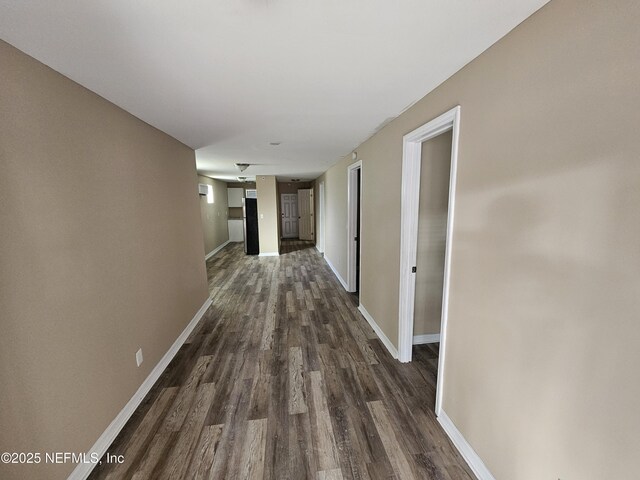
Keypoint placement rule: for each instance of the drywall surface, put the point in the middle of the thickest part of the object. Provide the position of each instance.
(541, 366)
(268, 219)
(214, 215)
(102, 254)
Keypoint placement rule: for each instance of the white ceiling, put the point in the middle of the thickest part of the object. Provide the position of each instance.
(227, 77)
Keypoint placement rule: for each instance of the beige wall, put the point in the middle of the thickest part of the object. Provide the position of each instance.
(235, 212)
(292, 187)
(245, 185)
(101, 253)
(432, 232)
(268, 219)
(541, 374)
(335, 179)
(214, 215)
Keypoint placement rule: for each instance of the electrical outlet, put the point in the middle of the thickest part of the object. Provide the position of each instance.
(139, 357)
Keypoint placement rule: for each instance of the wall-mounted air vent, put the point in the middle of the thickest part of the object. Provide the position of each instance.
(203, 188)
(251, 193)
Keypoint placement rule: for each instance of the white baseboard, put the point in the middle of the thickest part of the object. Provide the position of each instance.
(335, 272)
(427, 338)
(318, 248)
(216, 250)
(269, 254)
(83, 470)
(383, 338)
(468, 453)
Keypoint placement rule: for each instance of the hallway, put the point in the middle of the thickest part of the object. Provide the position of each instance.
(284, 379)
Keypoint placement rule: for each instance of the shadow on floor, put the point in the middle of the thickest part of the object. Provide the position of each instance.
(294, 245)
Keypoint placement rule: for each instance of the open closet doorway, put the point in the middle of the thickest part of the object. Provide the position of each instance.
(430, 255)
(427, 210)
(354, 209)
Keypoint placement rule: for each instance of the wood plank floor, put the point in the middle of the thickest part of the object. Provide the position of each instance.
(284, 379)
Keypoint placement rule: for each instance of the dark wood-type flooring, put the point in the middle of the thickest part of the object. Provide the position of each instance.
(284, 379)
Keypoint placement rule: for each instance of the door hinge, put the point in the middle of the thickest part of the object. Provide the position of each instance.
(413, 269)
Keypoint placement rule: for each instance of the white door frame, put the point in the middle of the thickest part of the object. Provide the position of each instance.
(352, 219)
(320, 245)
(411, 159)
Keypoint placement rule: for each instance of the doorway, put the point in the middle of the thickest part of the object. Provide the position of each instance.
(411, 169)
(435, 168)
(354, 213)
(289, 215)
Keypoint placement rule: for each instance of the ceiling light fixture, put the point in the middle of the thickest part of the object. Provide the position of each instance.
(242, 166)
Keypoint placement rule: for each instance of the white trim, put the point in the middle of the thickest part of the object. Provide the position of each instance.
(83, 470)
(411, 159)
(427, 338)
(383, 338)
(466, 450)
(320, 251)
(335, 272)
(269, 254)
(216, 250)
(352, 218)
